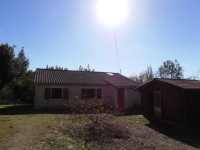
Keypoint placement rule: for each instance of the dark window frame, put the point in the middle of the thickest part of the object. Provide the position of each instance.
(91, 93)
(56, 93)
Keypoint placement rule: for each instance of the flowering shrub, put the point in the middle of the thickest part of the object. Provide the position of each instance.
(99, 120)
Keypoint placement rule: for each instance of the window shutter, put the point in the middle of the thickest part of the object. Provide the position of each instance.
(84, 93)
(65, 93)
(47, 93)
(98, 93)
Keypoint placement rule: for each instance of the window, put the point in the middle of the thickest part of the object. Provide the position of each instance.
(56, 93)
(91, 93)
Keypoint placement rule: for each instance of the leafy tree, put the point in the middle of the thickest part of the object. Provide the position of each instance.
(62, 68)
(21, 64)
(144, 76)
(135, 77)
(149, 75)
(86, 69)
(56, 68)
(26, 90)
(15, 78)
(170, 69)
(22, 85)
(6, 60)
(6, 95)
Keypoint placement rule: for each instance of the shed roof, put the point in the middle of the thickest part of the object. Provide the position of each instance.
(180, 83)
(50, 76)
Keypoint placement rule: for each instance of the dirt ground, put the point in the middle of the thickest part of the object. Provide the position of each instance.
(43, 130)
(143, 135)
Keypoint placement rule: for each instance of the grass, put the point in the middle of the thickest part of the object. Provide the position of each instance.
(22, 127)
(137, 118)
(4, 119)
(7, 106)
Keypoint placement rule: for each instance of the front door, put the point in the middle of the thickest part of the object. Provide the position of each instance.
(157, 104)
(120, 98)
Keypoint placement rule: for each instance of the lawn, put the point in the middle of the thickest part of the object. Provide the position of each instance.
(22, 127)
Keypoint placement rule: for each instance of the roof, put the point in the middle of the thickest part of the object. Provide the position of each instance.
(180, 83)
(50, 76)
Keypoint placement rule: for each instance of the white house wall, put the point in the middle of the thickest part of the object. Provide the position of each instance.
(112, 96)
(131, 98)
(40, 102)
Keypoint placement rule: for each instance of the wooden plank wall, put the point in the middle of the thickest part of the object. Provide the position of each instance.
(174, 102)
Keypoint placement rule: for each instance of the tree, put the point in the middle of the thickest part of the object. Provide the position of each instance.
(56, 68)
(149, 75)
(22, 86)
(26, 89)
(6, 60)
(15, 78)
(21, 64)
(144, 76)
(134, 77)
(6, 94)
(170, 69)
(86, 69)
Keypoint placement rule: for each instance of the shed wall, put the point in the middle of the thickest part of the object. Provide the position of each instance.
(194, 106)
(173, 99)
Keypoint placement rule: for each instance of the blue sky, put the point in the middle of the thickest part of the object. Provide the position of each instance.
(69, 33)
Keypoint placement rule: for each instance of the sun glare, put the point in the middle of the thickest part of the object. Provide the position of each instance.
(112, 12)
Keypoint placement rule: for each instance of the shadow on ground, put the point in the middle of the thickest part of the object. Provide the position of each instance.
(189, 135)
(29, 109)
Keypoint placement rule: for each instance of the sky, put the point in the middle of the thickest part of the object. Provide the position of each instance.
(70, 33)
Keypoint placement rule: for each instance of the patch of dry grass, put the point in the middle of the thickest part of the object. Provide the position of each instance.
(42, 130)
(138, 134)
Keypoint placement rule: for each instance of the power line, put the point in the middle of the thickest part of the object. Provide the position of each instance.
(116, 48)
(8, 35)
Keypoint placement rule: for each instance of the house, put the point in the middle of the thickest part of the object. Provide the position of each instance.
(171, 99)
(54, 88)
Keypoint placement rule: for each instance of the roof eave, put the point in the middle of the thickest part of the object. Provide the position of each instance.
(36, 83)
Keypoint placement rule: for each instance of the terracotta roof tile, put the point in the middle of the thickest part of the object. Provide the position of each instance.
(49, 76)
(181, 83)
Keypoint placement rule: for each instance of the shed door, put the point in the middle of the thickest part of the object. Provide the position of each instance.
(157, 104)
(121, 98)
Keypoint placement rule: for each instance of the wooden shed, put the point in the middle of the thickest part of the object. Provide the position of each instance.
(172, 100)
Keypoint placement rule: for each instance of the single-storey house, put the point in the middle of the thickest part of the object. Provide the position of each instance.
(54, 88)
(171, 99)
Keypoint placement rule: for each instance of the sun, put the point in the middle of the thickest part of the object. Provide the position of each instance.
(112, 12)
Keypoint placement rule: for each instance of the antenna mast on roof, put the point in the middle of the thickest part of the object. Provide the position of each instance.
(116, 46)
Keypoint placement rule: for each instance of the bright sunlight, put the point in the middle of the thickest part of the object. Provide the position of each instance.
(112, 12)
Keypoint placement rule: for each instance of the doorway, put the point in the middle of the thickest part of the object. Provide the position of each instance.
(120, 94)
(157, 104)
